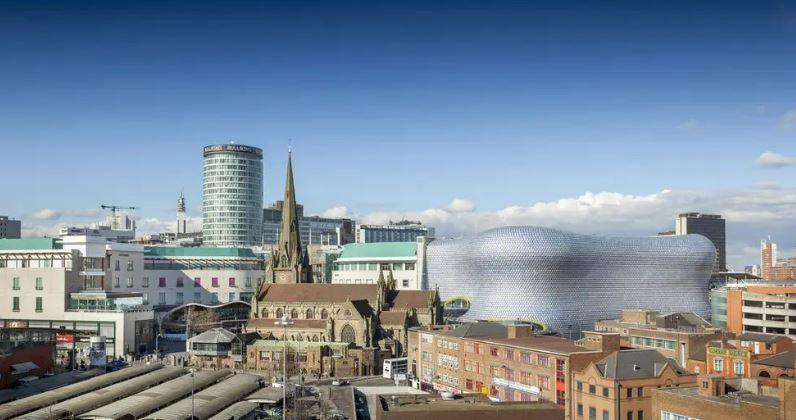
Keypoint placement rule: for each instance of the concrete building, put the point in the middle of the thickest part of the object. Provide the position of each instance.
(756, 306)
(620, 385)
(734, 357)
(507, 363)
(677, 335)
(772, 267)
(364, 263)
(173, 276)
(315, 230)
(718, 398)
(67, 284)
(402, 231)
(10, 228)
(711, 226)
(232, 198)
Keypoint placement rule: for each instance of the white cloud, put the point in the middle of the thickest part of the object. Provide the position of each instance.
(775, 160)
(788, 120)
(45, 214)
(461, 205)
(150, 225)
(338, 212)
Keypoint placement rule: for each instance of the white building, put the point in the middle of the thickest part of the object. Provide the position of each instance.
(364, 263)
(65, 284)
(403, 231)
(174, 276)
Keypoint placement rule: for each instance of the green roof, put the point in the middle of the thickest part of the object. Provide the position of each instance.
(296, 344)
(30, 244)
(180, 251)
(380, 250)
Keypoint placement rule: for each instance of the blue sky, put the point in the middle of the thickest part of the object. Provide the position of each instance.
(398, 108)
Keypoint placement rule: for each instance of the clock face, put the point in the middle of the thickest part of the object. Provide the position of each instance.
(283, 277)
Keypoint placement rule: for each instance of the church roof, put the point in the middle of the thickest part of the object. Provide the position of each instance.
(392, 318)
(405, 299)
(318, 292)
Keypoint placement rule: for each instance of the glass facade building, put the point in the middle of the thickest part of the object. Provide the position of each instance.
(567, 281)
(232, 199)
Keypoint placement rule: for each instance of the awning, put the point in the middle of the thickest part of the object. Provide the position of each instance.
(20, 368)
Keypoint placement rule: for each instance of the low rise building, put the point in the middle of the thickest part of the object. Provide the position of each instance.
(619, 386)
(735, 357)
(768, 370)
(401, 231)
(219, 348)
(429, 407)
(676, 335)
(10, 228)
(364, 263)
(718, 398)
(756, 306)
(312, 358)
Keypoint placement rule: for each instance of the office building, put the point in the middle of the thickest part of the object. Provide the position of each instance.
(172, 276)
(315, 230)
(66, 285)
(232, 198)
(676, 335)
(719, 398)
(364, 263)
(10, 228)
(756, 306)
(711, 226)
(620, 385)
(508, 362)
(401, 231)
(772, 267)
(564, 281)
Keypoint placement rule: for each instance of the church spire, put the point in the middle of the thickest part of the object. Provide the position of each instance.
(290, 239)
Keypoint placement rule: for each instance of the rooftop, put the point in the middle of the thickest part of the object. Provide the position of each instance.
(785, 359)
(215, 335)
(30, 244)
(379, 250)
(478, 330)
(635, 364)
(426, 403)
(736, 399)
(179, 251)
(762, 337)
(543, 343)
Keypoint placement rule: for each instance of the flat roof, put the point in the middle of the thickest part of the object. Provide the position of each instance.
(414, 403)
(543, 343)
(180, 251)
(30, 244)
(377, 250)
(693, 392)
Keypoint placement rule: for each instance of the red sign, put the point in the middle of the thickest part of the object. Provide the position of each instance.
(64, 338)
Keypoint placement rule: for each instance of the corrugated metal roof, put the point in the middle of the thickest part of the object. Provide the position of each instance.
(103, 396)
(211, 400)
(155, 398)
(236, 411)
(45, 399)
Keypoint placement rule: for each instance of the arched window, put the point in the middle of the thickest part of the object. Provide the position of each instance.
(279, 312)
(315, 337)
(293, 313)
(347, 334)
(324, 314)
(265, 313)
(310, 315)
(764, 374)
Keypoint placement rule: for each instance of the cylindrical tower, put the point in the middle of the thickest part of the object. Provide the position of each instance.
(232, 199)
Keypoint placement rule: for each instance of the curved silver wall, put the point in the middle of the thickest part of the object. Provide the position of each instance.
(561, 279)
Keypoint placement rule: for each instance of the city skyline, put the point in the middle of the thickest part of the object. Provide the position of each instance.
(492, 115)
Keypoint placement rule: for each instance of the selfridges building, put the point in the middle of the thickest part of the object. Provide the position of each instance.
(566, 281)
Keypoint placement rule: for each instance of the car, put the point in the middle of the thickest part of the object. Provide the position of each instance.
(115, 365)
(339, 382)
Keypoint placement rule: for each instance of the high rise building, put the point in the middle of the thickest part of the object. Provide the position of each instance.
(10, 228)
(711, 226)
(233, 195)
(315, 230)
(402, 231)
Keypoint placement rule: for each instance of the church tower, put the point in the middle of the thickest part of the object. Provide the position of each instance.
(289, 262)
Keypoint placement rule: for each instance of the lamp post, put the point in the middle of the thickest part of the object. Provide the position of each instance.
(193, 371)
(284, 322)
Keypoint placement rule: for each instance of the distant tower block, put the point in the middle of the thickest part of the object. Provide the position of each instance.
(181, 219)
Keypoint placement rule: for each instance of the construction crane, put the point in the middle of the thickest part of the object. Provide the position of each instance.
(113, 210)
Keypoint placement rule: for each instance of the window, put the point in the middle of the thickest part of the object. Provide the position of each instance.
(605, 391)
(197, 282)
(279, 313)
(293, 313)
(232, 282)
(324, 314)
(39, 304)
(592, 413)
(640, 391)
(145, 297)
(579, 386)
(580, 410)
(15, 303)
(161, 298)
(630, 392)
(116, 266)
(718, 364)
(640, 415)
(739, 367)
(130, 265)
(542, 360)
(410, 266)
(214, 281)
(405, 283)
(145, 282)
(178, 300)
(629, 415)
(116, 282)
(231, 297)
(248, 282)
(179, 282)
(129, 282)
(162, 282)
(544, 382)
(197, 296)
(509, 354)
(39, 283)
(493, 351)
(347, 334)
(592, 389)
(15, 282)
(605, 414)
(309, 314)
(214, 297)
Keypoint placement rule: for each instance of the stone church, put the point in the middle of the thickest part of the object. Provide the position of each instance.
(372, 319)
